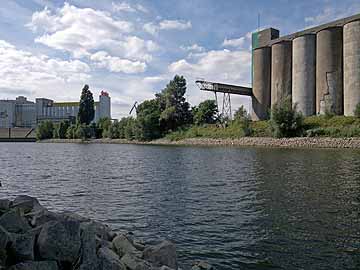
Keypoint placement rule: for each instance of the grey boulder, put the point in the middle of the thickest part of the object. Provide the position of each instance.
(89, 259)
(162, 254)
(26, 203)
(134, 263)
(201, 265)
(122, 245)
(109, 260)
(60, 241)
(23, 246)
(5, 205)
(5, 238)
(13, 222)
(42, 265)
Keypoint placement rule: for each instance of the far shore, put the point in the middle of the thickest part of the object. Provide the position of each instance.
(300, 142)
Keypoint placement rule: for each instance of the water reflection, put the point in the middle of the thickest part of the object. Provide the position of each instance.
(234, 207)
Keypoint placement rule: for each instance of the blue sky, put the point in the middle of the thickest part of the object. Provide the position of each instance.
(133, 48)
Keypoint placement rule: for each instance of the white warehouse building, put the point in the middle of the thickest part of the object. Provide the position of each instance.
(23, 113)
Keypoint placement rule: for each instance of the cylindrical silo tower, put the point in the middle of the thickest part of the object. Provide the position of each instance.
(261, 83)
(351, 67)
(281, 69)
(329, 71)
(304, 73)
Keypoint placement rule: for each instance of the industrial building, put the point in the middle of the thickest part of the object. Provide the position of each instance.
(27, 114)
(318, 68)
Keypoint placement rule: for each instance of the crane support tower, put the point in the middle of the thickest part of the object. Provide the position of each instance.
(226, 90)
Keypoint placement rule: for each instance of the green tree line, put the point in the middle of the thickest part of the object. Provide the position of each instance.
(169, 114)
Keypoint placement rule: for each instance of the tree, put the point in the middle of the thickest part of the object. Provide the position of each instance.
(104, 124)
(70, 133)
(86, 109)
(83, 132)
(357, 111)
(45, 130)
(241, 113)
(285, 120)
(148, 120)
(61, 129)
(175, 110)
(206, 112)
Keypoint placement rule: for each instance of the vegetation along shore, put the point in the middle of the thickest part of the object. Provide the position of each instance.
(170, 119)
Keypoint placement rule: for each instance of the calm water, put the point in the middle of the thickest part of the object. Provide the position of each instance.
(238, 208)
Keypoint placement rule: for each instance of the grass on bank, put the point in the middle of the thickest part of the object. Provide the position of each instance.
(313, 126)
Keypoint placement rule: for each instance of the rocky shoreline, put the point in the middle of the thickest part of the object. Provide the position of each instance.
(34, 238)
(300, 142)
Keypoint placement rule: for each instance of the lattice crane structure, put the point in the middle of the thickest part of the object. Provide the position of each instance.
(226, 90)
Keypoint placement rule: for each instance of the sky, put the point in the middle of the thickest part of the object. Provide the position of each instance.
(133, 48)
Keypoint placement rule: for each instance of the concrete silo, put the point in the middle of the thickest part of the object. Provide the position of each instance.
(304, 73)
(261, 83)
(351, 67)
(329, 71)
(281, 69)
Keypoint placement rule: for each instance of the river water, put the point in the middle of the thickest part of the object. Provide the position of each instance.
(237, 208)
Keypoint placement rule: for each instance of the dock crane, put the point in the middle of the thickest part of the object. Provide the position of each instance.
(134, 107)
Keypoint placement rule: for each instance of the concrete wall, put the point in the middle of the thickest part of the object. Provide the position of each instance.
(7, 114)
(261, 83)
(304, 74)
(281, 71)
(351, 67)
(329, 71)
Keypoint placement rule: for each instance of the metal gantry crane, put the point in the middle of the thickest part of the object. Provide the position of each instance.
(227, 90)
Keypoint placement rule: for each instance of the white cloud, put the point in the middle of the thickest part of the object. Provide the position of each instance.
(174, 24)
(85, 31)
(233, 67)
(22, 70)
(126, 7)
(241, 42)
(154, 79)
(116, 64)
(153, 28)
(222, 65)
(329, 14)
(193, 48)
(237, 42)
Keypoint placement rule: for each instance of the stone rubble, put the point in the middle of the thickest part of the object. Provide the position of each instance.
(34, 238)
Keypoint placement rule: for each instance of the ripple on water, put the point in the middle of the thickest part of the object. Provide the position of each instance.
(234, 207)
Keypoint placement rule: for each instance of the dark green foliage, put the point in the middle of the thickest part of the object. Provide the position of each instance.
(285, 120)
(104, 125)
(62, 129)
(113, 131)
(357, 111)
(130, 129)
(70, 133)
(242, 119)
(205, 113)
(86, 109)
(83, 132)
(241, 113)
(45, 130)
(148, 120)
(175, 110)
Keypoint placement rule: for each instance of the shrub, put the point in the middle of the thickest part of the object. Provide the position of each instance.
(285, 120)
(241, 113)
(60, 129)
(242, 119)
(357, 111)
(83, 132)
(45, 130)
(205, 113)
(70, 133)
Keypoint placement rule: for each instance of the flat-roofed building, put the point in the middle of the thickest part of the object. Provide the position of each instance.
(23, 113)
